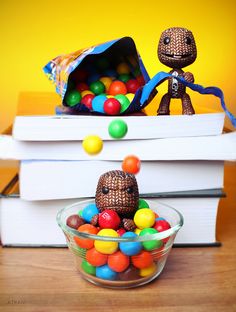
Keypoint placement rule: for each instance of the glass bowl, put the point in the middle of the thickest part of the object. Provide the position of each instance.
(130, 270)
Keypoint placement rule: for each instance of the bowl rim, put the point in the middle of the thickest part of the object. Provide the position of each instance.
(156, 236)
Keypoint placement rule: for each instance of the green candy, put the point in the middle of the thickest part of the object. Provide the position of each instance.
(124, 101)
(97, 87)
(142, 204)
(124, 77)
(117, 129)
(72, 98)
(152, 244)
(88, 268)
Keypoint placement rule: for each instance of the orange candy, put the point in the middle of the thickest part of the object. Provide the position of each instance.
(86, 242)
(131, 164)
(117, 87)
(142, 260)
(118, 262)
(96, 258)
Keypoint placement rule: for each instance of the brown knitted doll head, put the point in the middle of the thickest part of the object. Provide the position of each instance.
(177, 47)
(117, 190)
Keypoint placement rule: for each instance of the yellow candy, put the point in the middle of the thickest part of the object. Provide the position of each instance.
(92, 144)
(144, 218)
(148, 271)
(130, 96)
(106, 81)
(85, 92)
(123, 68)
(137, 231)
(106, 247)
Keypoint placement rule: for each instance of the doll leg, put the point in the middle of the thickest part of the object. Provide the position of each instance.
(164, 105)
(187, 108)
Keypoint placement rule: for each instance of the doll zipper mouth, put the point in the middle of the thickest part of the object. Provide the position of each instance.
(177, 56)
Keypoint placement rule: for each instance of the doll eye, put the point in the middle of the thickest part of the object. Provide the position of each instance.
(188, 40)
(105, 190)
(130, 190)
(166, 40)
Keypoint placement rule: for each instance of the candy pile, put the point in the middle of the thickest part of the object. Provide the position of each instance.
(103, 89)
(122, 261)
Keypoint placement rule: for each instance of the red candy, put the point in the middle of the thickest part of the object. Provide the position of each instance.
(108, 219)
(132, 85)
(160, 226)
(87, 100)
(142, 260)
(121, 231)
(112, 106)
(82, 86)
(117, 87)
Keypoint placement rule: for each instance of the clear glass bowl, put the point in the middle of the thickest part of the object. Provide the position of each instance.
(133, 276)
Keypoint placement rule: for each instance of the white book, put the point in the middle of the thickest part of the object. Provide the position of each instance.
(74, 128)
(34, 223)
(219, 147)
(47, 180)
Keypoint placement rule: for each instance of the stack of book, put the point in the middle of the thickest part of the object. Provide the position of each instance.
(182, 165)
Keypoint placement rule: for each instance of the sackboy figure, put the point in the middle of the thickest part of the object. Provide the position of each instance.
(118, 191)
(177, 49)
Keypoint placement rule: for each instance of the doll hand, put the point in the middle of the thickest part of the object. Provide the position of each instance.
(188, 77)
(128, 224)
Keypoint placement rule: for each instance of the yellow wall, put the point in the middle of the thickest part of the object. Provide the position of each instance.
(33, 32)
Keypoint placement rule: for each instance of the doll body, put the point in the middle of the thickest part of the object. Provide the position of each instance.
(177, 49)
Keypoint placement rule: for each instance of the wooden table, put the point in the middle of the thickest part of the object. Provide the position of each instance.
(195, 279)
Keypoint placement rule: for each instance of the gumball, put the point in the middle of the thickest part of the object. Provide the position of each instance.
(105, 272)
(131, 164)
(142, 203)
(131, 273)
(72, 98)
(123, 68)
(151, 244)
(124, 77)
(117, 128)
(89, 212)
(96, 258)
(109, 219)
(117, 87)
(137, 231)
(82, 86)
(124, 101)
(97, 87)
(106, 81)
(142, 260)
(74, 221)
(162, 225)
(144, 218)
(148, 271)
(121, 231)
(132, 85)
(130, 248)
(110, 73)
(86, 242)
(85, 92)
(98, 103)
(118, 262)
(88, 268)
(106, 247)
(130, 97)
(92, 144)
(112, 106)
(87, 100)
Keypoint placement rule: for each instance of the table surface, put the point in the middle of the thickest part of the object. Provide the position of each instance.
(194, 279)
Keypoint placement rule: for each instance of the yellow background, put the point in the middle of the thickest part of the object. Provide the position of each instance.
(33, 32)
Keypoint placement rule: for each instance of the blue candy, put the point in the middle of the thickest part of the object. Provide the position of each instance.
(98, 103)
(105, 272)
(89, 211)
(130, 248)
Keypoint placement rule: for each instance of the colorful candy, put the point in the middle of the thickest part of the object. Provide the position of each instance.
(144, 218)
(106, 273)
(106, 247)
(142, 260)
(118, 262)
(112, 106)
(92, 144)
(73, 98)
(89, 212)
(87, 100)
(96, 258)
(117, 128)
(124, 101)
(131, 164)
(117, 87)
(88, 268)
(130, 248)
(74, 221)
(142, 203)
(132, 85)
(97, 87)
(151, 244)
(86, 242)
(109, 219)
(98, 103)
(123, 68)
